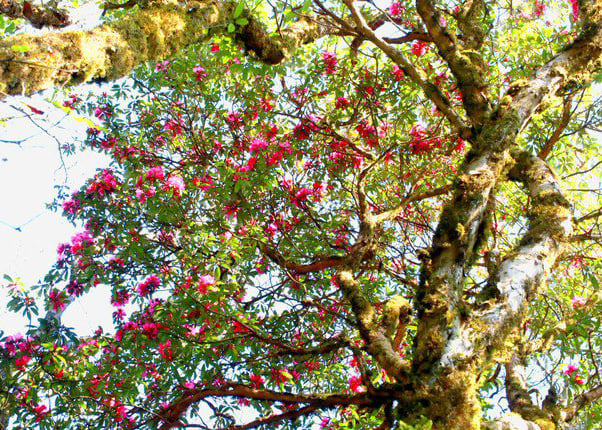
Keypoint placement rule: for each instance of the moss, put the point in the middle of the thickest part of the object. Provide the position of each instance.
(545, 424)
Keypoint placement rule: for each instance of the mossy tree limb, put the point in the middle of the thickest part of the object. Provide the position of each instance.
(448, 340)
(466, 65)
(112, 50)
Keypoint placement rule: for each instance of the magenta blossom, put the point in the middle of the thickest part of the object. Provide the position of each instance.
(205, 282)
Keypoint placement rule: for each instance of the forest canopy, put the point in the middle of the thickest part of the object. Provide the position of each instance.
(347, 214)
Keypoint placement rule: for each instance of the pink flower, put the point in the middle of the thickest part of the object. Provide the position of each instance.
(149, 285)
(575, 9)
(199, 73)
(162, 67)
(577, 302)
(398, 73)
(189, 385)
(234, 120)
(579, 381)
(176, 183)
(419, 48)
(395, 9)
(174, 126)
(214, 47)
(205, 282)
(570, 369)
(81, 241)
(57, 300)
(41, 412)
(105, 183)
(155, 173)
(71, 207)
(21, 362)
(324, 423)
(165, 351)
(341, 103)
(256, 381)
(257, 145)
(355, 384)
(330, 61)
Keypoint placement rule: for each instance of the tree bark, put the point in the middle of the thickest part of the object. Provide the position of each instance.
(33, 63)
(453, 337)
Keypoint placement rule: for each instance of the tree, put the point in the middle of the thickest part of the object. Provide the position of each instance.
(371, 231)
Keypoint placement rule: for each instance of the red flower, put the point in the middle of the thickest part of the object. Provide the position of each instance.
(355, 384)
(22, 362)
(40, 411)
(165, 351)
(341, 103)
(256, 381)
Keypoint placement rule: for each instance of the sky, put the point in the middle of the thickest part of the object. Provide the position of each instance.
(29, 172)
(29, 232)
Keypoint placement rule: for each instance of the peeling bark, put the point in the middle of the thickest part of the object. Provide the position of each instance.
(447, 340)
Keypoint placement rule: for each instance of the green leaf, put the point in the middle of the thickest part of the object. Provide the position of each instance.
(20, 48)
(231, 28)
(238, 11)
(242, 21)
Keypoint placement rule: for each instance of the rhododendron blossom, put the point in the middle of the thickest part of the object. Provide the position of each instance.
(340, 215)
(205, 281)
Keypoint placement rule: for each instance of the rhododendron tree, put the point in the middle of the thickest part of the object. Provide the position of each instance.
(323, 215)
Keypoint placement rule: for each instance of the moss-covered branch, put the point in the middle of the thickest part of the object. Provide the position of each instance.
(463, 219)
(32, 63)
(466, 65)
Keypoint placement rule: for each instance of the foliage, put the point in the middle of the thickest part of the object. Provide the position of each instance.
(234, 198)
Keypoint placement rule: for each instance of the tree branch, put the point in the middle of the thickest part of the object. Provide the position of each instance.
(317, 266)
(581, 401)
(463, 221)
(431, 91)
(517, 392)
(564, 121)
(289, 415)
(520, 275)
(111, 51)
(170, 415)
(467, 66)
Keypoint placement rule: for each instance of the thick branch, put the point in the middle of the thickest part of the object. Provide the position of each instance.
(170, 416)
(111, 51)
(517, 392)
(581, 401)
(289, 415)
(317, 266)
(378, 345)
(463, 219)
(524, 270)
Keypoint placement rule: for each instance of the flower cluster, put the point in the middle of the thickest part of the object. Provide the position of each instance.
(330, 63)
(148, 286)
(103, 184)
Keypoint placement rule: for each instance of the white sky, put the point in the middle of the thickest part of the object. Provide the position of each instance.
(28, 175)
